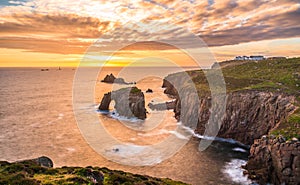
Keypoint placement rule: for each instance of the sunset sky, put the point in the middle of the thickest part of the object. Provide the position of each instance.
(58, 33)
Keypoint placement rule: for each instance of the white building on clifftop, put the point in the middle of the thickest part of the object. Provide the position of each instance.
(258, 57)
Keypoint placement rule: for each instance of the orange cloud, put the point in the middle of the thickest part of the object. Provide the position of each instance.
(70, 27)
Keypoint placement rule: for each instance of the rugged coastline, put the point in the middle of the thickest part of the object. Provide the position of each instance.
(255, 107)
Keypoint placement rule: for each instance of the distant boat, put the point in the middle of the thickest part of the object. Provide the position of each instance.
(59, 68)
(44, 69)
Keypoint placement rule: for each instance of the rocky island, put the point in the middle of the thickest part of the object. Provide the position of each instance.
(112, 79)
(129, 102)
(261, 111)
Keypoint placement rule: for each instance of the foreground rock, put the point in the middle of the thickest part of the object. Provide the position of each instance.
(129, 102)
(43, 161)
(32, 173)
(274, 160)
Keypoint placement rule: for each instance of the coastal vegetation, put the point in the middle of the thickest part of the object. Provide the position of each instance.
(272, 75)
(30, 173)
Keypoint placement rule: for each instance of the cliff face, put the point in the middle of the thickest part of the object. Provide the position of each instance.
(248, 114)
(274, 160)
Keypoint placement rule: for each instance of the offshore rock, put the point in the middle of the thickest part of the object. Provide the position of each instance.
(109, 78)
(129, 102)
(104, 105)
(162, 106)
(112, 79)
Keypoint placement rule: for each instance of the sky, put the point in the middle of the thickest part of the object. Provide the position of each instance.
(65, 32)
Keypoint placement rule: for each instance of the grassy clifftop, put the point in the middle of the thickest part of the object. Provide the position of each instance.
(275, 75)
(30, 173)
(282, 75)
(279, 75)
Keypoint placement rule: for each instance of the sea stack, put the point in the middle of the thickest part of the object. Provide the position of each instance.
(129, 102)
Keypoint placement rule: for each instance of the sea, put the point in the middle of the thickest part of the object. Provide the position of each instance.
(42, 113)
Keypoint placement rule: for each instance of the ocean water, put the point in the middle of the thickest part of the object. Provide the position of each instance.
(37, 117)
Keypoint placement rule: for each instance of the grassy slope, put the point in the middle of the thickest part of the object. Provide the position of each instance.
(282, 75)
(29, 173)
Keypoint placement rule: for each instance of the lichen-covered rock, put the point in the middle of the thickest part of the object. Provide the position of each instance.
(273, 161)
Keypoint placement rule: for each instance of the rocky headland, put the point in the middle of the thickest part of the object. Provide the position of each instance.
(262, 98)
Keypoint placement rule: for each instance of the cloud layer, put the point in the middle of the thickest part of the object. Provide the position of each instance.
(70, 27)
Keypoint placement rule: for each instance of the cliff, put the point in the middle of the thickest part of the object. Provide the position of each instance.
(248, 114)
(261, 98)
(37, 171)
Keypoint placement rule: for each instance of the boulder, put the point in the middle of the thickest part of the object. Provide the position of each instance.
(44, 161)
(41, 161)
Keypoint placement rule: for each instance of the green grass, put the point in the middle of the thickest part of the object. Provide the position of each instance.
(133, 90)
(29, 173)
(289, 128)
(274, 75)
